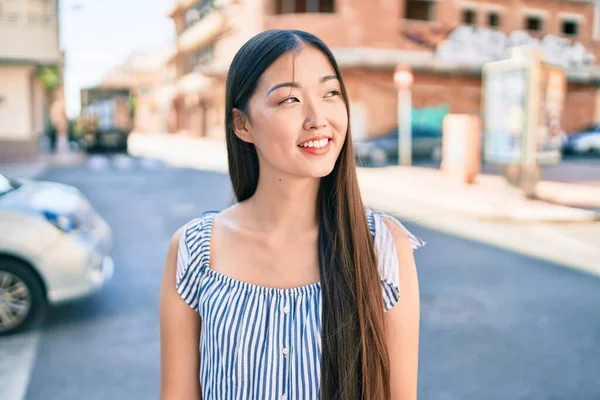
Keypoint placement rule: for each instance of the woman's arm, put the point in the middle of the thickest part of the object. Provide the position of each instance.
(179, 336)
(402, 322)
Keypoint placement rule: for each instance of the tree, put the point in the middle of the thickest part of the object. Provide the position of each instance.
(50, 77)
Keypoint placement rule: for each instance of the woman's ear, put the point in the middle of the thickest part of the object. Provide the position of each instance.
(241, 126)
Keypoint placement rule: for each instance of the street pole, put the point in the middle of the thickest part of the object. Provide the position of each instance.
(403, 79)
(405, 126)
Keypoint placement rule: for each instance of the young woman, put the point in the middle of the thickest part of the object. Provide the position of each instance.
(297, 291)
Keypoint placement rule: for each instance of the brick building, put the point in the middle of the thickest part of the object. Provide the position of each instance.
(445, 41)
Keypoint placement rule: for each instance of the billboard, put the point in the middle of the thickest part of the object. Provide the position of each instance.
(505, 109)
(523, 104)
(553, 87)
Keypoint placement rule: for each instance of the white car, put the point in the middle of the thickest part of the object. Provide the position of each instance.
(54, 247)
(586, 141)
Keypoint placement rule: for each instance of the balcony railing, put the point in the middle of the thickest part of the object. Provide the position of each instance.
(26, 18)
(198, 11)
(201, 33)
(34, 37)
(201, 57)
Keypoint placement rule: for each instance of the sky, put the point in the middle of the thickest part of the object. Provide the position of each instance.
(98, 35)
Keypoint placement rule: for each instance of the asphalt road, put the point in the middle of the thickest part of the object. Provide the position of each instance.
(495, 324)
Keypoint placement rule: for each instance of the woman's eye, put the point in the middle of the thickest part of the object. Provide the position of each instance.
(332, 93)
(289, 100)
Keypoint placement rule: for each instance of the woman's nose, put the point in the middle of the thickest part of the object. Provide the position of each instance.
(315, 118)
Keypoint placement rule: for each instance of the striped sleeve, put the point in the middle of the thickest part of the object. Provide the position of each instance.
(387, 257)
(188, 265)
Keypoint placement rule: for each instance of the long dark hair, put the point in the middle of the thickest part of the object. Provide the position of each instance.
(355, 361)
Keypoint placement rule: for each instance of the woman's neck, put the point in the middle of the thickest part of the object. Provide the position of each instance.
(284, 203)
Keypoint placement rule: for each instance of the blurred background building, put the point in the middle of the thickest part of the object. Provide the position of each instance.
(445, 42)
(31, 91)
(147, 75)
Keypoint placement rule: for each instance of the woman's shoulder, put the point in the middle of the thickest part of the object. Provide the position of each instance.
(193, 246)
(195, 228)
(387, 229)
(394, 244)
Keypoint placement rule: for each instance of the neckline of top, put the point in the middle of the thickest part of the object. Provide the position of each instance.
(208, 226)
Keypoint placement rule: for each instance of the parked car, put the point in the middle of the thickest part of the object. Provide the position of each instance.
(54, 247)
(584, 141)
(427, 125)
(383, 150)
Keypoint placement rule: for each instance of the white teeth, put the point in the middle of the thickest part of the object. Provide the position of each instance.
(316, 143)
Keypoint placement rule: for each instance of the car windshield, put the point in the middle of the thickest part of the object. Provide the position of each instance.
(7, 185)
(590, 129)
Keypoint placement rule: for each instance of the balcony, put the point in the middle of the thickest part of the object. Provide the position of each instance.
(180, 6)
(197, 12)
(203, 32)
(200, 58)
(34, 38)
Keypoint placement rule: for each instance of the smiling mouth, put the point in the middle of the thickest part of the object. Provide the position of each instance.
(316, 147)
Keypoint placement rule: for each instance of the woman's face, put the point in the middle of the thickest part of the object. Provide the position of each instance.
(298, 119)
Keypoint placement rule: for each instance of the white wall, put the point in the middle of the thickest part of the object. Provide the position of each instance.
(39, 107)
(15, 108)
(35, 39)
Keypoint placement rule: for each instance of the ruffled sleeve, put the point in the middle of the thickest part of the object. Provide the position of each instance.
(387, 257)
(190, 262)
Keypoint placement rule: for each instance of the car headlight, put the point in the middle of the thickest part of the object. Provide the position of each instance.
(63, 222)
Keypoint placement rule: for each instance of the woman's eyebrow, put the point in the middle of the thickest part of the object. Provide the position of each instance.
(328, 78)
(295, 85)
(280, 85)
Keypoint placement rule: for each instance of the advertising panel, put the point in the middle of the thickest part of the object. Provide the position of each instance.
(505, 109)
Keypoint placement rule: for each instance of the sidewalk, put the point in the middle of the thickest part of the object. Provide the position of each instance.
(489, 198)
(402, 190)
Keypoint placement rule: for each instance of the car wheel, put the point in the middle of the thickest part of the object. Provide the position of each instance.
(21, 296)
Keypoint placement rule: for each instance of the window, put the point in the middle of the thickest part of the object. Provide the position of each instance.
(191, 17)
(8, 185)
(420, 10)
(533, 23)
(304, 6)
(493, 19)
(326, 6)
(197, 12)
(202, 56)
(469, 17)
(570, 27)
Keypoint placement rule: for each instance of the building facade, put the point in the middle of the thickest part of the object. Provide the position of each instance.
(446, 42)
(29, 48)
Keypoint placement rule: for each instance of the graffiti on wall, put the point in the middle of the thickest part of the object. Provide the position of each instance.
(479, 45)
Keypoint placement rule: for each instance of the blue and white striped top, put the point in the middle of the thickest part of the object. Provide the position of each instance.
(258, 342)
